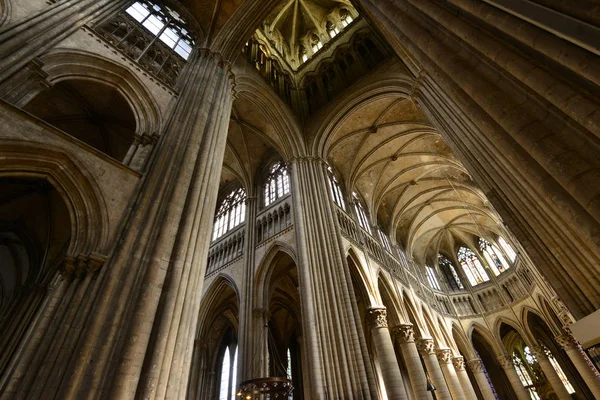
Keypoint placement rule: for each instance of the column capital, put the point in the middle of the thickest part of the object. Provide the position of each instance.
(377, 317)
(538, 351)
(506, 362)
(425, 347)
(475, 365)
(459, 363)
(404, 333)
(566, 341)
(444, 356)
(307, 159)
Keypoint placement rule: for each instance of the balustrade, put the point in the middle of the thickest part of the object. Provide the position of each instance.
(273, 220)
(225, 250)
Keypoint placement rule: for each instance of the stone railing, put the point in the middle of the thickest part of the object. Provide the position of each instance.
(225, 250)
(274, 219)
(463, 305)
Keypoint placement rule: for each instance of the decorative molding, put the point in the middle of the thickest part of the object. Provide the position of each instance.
(426, 347)
(404, 333)
(377, 317)
(565, 341)
(79, 267)
(506, 362)
(476, 366)
(459, 363)
(444, 356)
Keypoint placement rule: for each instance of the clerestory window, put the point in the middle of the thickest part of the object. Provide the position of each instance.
(231, 213)
(432, 278)
(473, 268)
(277, 184)
(493, 256)
(507, 249)
(450, 273)
(336, 190)
(363, 221)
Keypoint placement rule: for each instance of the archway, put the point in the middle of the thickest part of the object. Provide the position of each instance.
(495, 374)
(215, 351)
(35, 233)
(93, 112)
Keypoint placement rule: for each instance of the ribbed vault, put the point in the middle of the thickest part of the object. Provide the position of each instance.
(415, 188)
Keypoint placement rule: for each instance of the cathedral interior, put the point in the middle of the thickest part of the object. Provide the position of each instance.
(300, 199)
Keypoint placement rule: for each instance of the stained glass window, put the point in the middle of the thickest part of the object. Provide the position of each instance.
(493, 256)
(277, 183)
(164, 23)
(507, 249)
(225, 373)
(487, 377)
(433, 282)
(231, 213)
(524, 375)
(472, 266)
(363, 221)
(336, 190)
(449, 271)
(560, 372)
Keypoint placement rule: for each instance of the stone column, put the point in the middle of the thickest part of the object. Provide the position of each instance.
(463, 377)
(477, 368)
(405, 337)
(568, 344)
(23, 41)
(507, 365)
(427, 350)
(540, 354)
(250, 329)
(145, 300)
(377, 323)
(445, 359)
(25, 84)
(338, 365)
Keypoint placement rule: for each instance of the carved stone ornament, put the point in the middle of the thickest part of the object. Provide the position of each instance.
(505, 362)
(377, 318)
(538, 351)
(565, 341)
(459, 363)
(444, 356)
(475, 366)
(404, 333)
(425, 346)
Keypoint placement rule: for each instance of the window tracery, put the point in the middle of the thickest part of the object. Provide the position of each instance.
(385, 240)
(277, 183)
(450, 272)
(431, 277)
(507, 249)
(336, 190)
(523, 373)
(231, 213)
(559, 372)
(155, 36)
(473, 268)
(493, 256)
(363, 221)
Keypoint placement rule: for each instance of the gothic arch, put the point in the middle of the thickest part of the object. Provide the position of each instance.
(62, 65)
(360, 276)
(513, 324)
(414, 316)
(462, 342)
(487, 335)
(210, 301)
(433, 330)
(84, 200)
(263, 278)
(395, 312)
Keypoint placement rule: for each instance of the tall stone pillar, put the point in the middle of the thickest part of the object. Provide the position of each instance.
(405, 337)
(540, 354)
(249, 331)
(568, 344)
(463, 377)
(338, 365)
(26, 39)
(477, 368)
(507, 365)
(445, 359)
(427, 350)
(377, 322)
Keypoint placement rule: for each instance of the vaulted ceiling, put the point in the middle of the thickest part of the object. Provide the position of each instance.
(413, 185)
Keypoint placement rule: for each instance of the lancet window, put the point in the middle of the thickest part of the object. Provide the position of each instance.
(524, 374)
(385, 240)
(473, 268)
(227, 383)
(507, 249)
(277, 184)
(493, 256)
(231, 213)
(336, 190)
(450, 273)
(431, 277)
(332, 29)
(559, 372)
(363, 221)
(345, 17)
(153, 35)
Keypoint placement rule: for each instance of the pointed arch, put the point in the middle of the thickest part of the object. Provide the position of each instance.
(277, 254)
(395, 313)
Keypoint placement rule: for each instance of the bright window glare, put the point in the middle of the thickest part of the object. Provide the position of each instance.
(138, 12)
(153, 24)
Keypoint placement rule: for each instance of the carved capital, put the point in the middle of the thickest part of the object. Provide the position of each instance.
(565, 341)
(459, 363)
(475, 365)
(404, 333)
(377, 318)
(444, 356)
(538, 351)
(505, 362)
(425, 347)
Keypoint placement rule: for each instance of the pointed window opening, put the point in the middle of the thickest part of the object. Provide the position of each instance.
(473, 268)
(231, 213)
(493, 256)
(277, 183)
(450, 273)
(363, 220)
